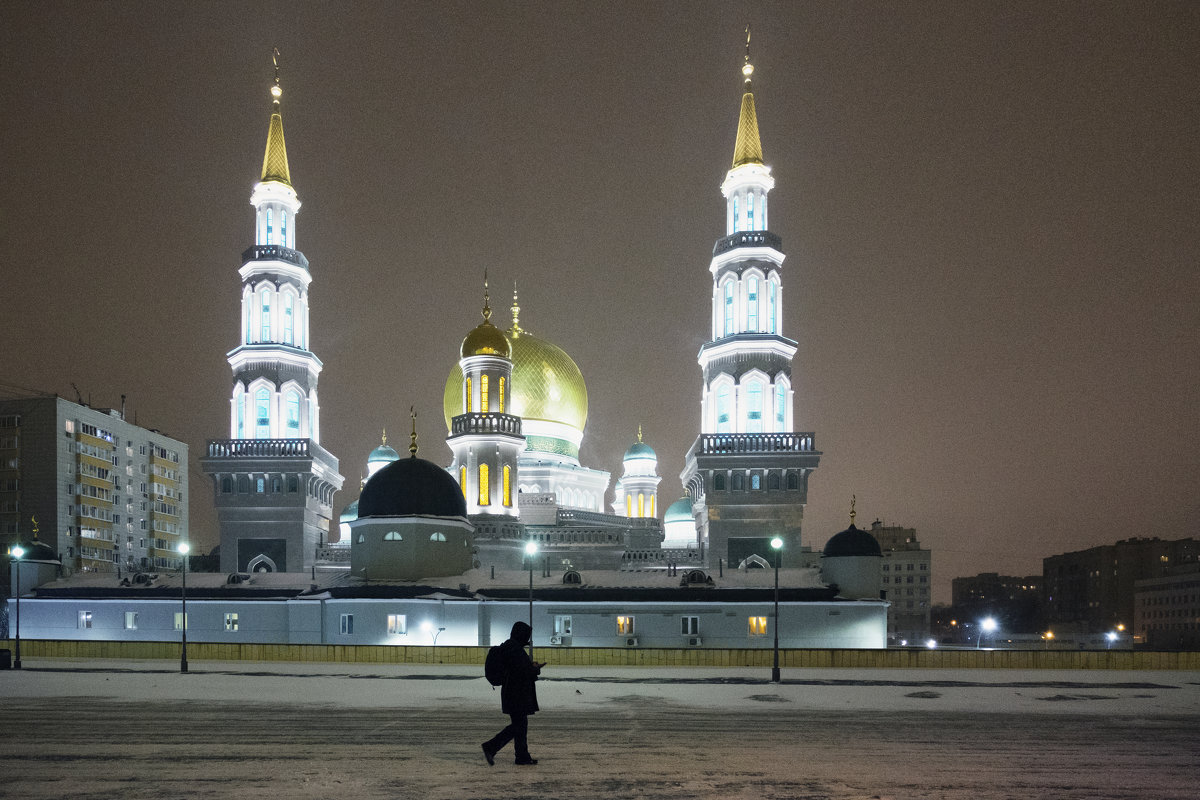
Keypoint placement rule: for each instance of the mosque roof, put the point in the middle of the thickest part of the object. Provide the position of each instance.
(349, 513)
(679, 511)
(852, 542)
(411, 487)
(640, 450)
(383, 453)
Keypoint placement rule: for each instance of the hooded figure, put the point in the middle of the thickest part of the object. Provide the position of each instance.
(518, 695)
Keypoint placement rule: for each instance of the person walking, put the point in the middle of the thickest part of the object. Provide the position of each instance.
(518, 696)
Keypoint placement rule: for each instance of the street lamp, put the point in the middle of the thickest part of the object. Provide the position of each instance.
(530, 551)
(986, 626)
(1112, 637)
(427, 626)
(183, 551)
(17, 552)
(777, 545)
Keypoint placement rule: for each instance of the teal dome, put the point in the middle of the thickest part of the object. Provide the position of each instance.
(640, 450)
(383, 454)
(679, 511)
(349, 513)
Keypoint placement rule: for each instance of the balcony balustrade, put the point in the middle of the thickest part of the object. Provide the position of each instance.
(275, 252)
(747, 239)
(756, 443)
(485, 423)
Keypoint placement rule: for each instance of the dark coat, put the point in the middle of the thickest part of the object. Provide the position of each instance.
(518, 695)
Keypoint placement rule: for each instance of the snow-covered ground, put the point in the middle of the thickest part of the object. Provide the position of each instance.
(75, 729)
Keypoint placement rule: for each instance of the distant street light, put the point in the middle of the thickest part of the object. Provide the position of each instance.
(777, 545)
(427, 626)
(1112, 637)
(531, 549)
(184, 547)
(931, 644)
(986, 626)
(17, 552)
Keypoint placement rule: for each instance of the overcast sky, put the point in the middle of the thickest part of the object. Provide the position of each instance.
(989, 212)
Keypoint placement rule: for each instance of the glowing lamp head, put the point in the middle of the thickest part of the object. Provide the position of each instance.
(747, 70)
(931, 644)
(530, 548)
(427, 626)
(777, 543)
(988, 625)
(184, 548)
(17, 551)
(1112, 636)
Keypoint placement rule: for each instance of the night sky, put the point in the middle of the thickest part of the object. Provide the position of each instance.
(989, 211)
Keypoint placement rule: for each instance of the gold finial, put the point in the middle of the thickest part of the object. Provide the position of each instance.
(853, 513)
(33, 519)
(747, 67)
(516, 312)
(276, 91)
(385, 435)
(412, 445)
(639, 432)
(487, 311)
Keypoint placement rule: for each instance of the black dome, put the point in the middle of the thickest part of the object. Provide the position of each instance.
(38, 550)
(853, 542)
(411, 486)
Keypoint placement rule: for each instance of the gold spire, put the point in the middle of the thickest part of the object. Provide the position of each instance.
(748, 148)
(384, 436)
(853, 513)
(516, 312)
(275, 163)
(487, 311)
(412, 444)
(639, 432)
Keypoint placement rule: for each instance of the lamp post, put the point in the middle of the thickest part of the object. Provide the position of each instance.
(17, 552)
(183, 551)
(777, 544)
(986, 626)
(530, 551)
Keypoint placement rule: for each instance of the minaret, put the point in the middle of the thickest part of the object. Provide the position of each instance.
(274, 483)
(748, 471)
(637, 488)
(485, 438)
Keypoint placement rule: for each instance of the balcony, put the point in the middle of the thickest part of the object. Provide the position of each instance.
(275, 252)
(256, 448)
(756, 443)
(485, 423)
(746, 239)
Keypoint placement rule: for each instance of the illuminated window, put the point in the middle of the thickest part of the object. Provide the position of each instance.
(629, 505)
(652, 505)
(397, 624)
(131, 620)
(484, 494)
(347, 624)
(266, 316)
(470, 400)
(770, 306)
(752, 305)
(750, 212)
(754, 408)
(483, 393)
(780, 406)
(293, 413)
(729, 308)
(507, 477)
(755, 482)
(283, 228)
(240, 402)
(501, 388)
(641, 504)
(462, 481)
(287, 318)
(262, 414)
(625, 626)
(437, 537)
(231, 622)
(690, 626)
(736, 222)
(270, 227)
(758, 626)
(723, 425)
(393, 536)
(179, 620)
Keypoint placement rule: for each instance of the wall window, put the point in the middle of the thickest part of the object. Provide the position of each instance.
(780, 407)
(270, 228)
(397, 624)
(562, 625)
(462, 481)
(770, 306)
(723, 412)
(240, 402)
(793, 482)
(226, 485)
(501, 388)
(437, 537)
(755, 482)
(131, 620)
(483, 393)
(470, 400)
(347, 624)
(393, 536)
(629, 505)
(287, 318)
(754, 408)
(484, 493)
(625, 626)
(262, 414)
(507, 476)
(231, 622)
(719, 482)
(758, 626)
(260, 486)
(265, 306)
(729, 308)
(283, 240)
(641, 504)
(690, 626)
(85, 619)
(739, 481)
(293, 414)
(752, 305)
(179, 621)
(737, 223)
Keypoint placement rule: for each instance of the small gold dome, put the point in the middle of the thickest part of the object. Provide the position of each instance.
(486, 340)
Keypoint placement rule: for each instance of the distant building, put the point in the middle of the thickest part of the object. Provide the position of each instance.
(1015, 602)
(1093, 590)
(1166, 610)
(104, 494)
(907, 575)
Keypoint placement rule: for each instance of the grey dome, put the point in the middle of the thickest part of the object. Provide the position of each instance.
(852, 542)
(412, 487)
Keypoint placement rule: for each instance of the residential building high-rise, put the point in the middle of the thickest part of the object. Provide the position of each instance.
(907, 580)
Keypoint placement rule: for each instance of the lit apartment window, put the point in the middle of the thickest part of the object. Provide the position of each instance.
(231, 622)
(690, 626)
(758, 626)
(397, 624)
(625, 626)
(85, 619)
(347, 624)
(179, 621)
(131, 620)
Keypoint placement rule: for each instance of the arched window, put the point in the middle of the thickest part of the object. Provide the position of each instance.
(652, 505)
(470, 400)
(755, 482)
(501, 388)
(507, 480)
(770, 306)
(287, 318)
(739, 481)
(793, 482)
(752, 305)
(719, 482)
(240, 402)
(462, 481)
(729, 308)
(275, 485)
(270, 228)
(261, 486)
(780, 407)
(393, 536)
(484, 495)
(265, 317)
(750, 211)
(723, 416)
(483, 393)
(293, 484)
(226, 485)
(293, 414)
(736, 222)
(283, 228)
(629, 505)
(641, 504)
(754, 408)
(262, 414)
(437, 537)
(773, 480)
(362, 538)
(243, 485)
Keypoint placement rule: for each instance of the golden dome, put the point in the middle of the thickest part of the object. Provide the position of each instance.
(547, 385)
(485, 340)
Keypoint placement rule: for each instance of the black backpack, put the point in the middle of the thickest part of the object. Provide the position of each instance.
(493, 666)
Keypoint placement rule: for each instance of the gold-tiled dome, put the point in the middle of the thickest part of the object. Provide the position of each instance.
(486, 340)
(547, 385)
